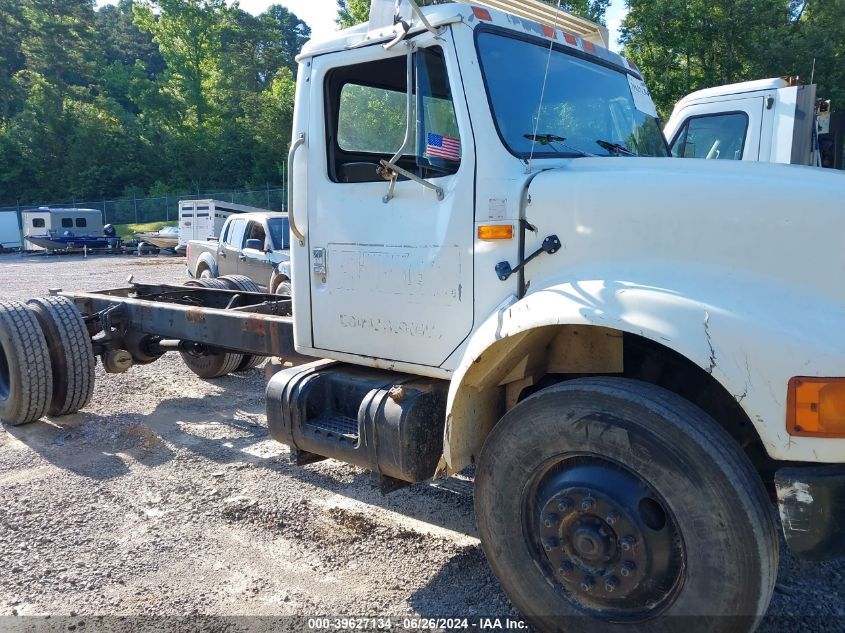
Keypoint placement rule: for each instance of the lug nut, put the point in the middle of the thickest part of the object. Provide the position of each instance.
(611, 583)
(550, 520)
(587, 583)
(612, 517)
(628, 542)
(588, 503)
(549, 544)
(565, 568)
(627, 569)
(564, 504)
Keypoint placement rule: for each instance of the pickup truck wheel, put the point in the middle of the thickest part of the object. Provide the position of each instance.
(283, 288)
(212, 365)
(240, 282)
(70, 353)
(208, 282)
(621, 501)
(26, 380)
(206, 273)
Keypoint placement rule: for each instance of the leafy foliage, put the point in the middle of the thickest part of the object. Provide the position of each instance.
(142, 96)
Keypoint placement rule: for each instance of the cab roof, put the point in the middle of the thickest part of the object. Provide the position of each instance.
(545, 22)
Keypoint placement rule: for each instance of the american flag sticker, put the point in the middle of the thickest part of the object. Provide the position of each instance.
(439, 146)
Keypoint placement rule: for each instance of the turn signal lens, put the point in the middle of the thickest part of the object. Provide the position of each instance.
(815, 407)
(495, 231)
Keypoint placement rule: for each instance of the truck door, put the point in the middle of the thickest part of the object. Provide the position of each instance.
(255, 263)
(723, 130)
(229, 249)
(391, 277)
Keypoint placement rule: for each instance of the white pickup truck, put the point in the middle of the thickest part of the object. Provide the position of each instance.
(772, 120)
(497, 264)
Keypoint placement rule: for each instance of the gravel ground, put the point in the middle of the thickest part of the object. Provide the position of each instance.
(166, 496)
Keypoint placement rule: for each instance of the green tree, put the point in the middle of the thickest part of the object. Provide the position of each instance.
(352, 12)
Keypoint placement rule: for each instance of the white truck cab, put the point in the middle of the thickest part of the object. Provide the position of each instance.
(772, 120)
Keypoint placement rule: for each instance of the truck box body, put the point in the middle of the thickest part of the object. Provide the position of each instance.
(10, 230)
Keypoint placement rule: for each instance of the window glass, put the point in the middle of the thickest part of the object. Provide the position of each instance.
(38, 223)
(81, 222)
(439, 142)
(715, 136)
(236, 234)
(587, 108)
(279, 233)
(370, 120)
(67, 222)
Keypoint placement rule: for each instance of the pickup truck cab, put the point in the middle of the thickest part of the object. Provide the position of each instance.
(255, 245)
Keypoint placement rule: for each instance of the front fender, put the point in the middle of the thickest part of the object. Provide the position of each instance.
(751, 338)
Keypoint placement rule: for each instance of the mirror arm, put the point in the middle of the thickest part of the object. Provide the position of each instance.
(395, 170)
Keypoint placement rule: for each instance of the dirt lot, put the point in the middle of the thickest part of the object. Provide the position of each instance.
(166, 496)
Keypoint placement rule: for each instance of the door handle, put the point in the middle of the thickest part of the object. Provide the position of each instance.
(291, 220)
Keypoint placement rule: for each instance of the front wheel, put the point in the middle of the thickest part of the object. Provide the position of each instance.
(623, 504)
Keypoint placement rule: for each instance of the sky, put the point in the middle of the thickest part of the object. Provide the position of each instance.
(320, 14)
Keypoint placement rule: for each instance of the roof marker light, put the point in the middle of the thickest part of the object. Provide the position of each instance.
(549, 32)
(589, 46)
(631, 65)
(482, 14)
(570, 39)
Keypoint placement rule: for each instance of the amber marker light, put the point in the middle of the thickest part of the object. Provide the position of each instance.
(815, 407)
(495, 231)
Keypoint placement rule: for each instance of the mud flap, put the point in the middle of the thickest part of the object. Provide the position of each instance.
(811, 502)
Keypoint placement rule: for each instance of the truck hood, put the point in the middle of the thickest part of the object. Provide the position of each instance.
(782, 225)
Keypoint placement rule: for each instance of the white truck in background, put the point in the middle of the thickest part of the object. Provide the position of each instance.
(769, 120)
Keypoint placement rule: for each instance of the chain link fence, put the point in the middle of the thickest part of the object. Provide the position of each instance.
(157, 209)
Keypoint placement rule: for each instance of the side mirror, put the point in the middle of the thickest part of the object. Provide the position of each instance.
(257, 245)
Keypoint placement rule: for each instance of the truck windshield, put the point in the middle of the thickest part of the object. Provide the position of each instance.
(279, 233)
(587, 108)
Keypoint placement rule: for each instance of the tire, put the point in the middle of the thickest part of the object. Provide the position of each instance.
(250, 361)
(26, 380)
(240, 282)
(283, 288)
(70, 353)
(696, 531)
(207, 282)
(206, 273)
(212, 365)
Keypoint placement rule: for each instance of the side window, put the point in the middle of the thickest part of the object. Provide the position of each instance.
(81, 222)
(367, 114)
(712, 136)
(38, 223)
(236, 233)
(67, 223)
(256, 232)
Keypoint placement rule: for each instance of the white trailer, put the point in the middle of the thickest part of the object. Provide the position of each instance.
(202, 219)
(10, 230)
(46, 221)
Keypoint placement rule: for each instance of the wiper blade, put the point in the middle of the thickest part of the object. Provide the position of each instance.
(553, 140)
(615, 148)
(544, 139)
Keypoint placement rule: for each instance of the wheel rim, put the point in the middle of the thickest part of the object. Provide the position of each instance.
(5, 376)
(604, 538)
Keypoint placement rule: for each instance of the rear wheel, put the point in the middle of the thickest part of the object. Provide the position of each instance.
(70, 353)
(620, 501)
(26, 380)
(240, 282)
(283, 288)
(207, 282)
(206, 273)
(212, 365)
